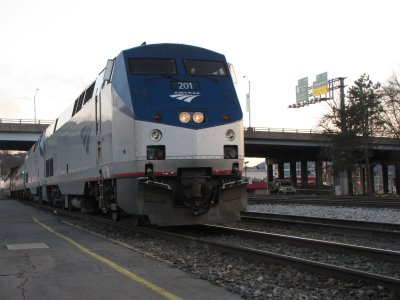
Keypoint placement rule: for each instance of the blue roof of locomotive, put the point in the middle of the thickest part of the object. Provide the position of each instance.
(147, 95)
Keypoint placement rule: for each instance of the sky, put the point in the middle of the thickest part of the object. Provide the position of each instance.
(59, 47)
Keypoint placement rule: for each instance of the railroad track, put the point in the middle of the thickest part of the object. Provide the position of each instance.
(250, 247)
(389, 230)
(210, 238)
(354, 201)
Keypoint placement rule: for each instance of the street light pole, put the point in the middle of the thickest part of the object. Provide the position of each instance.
(34, 105)
(248, 101)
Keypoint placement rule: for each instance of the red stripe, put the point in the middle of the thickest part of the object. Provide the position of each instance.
(225, 172)
(141, 174)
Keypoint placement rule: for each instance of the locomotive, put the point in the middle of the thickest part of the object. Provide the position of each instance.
(157, 136)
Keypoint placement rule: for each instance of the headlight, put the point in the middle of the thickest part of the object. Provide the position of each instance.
(155, 152)
(198, 117)
(155, 135)
(230, 152)
(230, 135)
(184, 117)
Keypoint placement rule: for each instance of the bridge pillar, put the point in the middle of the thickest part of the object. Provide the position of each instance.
(270, 172)
(341, 184)
(397, 179)
(318, 173)
(385, 177)
(293, 173)
(372, 178)
(349, 181)
(281, 170)
(304, 173)
(362, 180)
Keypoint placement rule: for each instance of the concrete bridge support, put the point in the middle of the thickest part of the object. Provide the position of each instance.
(362, 180)
(341, 185)
(372, 179)
(318, 173)
(349, 181)
(270, 172)
(304, 174)
(385, 177)
(397, 182)
(386, 174)
(293, 173)
(346, 183)
(281, 170)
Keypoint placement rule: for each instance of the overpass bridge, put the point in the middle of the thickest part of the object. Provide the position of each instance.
(283, 144)
(290, 151)
(20, 134)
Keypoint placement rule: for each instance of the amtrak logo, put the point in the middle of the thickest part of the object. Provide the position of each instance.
(85, 135)
(187, 97)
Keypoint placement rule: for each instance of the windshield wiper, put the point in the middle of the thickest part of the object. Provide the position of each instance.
(162, 76)
(210, 77)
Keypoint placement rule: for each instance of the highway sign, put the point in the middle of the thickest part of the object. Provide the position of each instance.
(320, 87)
(302, 90)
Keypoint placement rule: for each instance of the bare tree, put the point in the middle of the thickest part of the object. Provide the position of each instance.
(391, 101)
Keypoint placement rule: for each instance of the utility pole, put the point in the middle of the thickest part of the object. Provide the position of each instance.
(248, 105)
(34, 105)
(342, 104)
(344, 130)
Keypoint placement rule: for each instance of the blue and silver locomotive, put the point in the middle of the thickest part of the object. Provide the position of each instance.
(158, 135)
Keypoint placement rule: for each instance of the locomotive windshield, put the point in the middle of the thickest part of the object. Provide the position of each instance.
(204, 68)
(146, 66)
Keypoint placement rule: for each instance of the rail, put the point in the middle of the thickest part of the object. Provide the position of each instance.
(378, 134)
(25, 121)
(287, 130)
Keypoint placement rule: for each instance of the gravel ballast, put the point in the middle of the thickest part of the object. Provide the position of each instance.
(384, 215)
(251, 280)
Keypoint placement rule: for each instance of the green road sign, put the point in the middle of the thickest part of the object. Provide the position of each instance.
(302, 90)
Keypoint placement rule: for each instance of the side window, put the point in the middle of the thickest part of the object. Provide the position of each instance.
(83, 98)
(89, 93)
(75, 107)
(80, 102)
(55, 125)
(49, 167)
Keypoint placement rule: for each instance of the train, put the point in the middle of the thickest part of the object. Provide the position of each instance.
(157, 136)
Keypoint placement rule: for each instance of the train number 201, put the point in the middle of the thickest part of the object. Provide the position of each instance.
(185, 85)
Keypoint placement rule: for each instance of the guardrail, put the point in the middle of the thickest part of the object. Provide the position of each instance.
(288, 130)
(378, 134)
(25, 121)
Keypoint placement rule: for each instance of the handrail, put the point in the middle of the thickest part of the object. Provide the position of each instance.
(25, 121)
(310, 131)
(288, 130)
